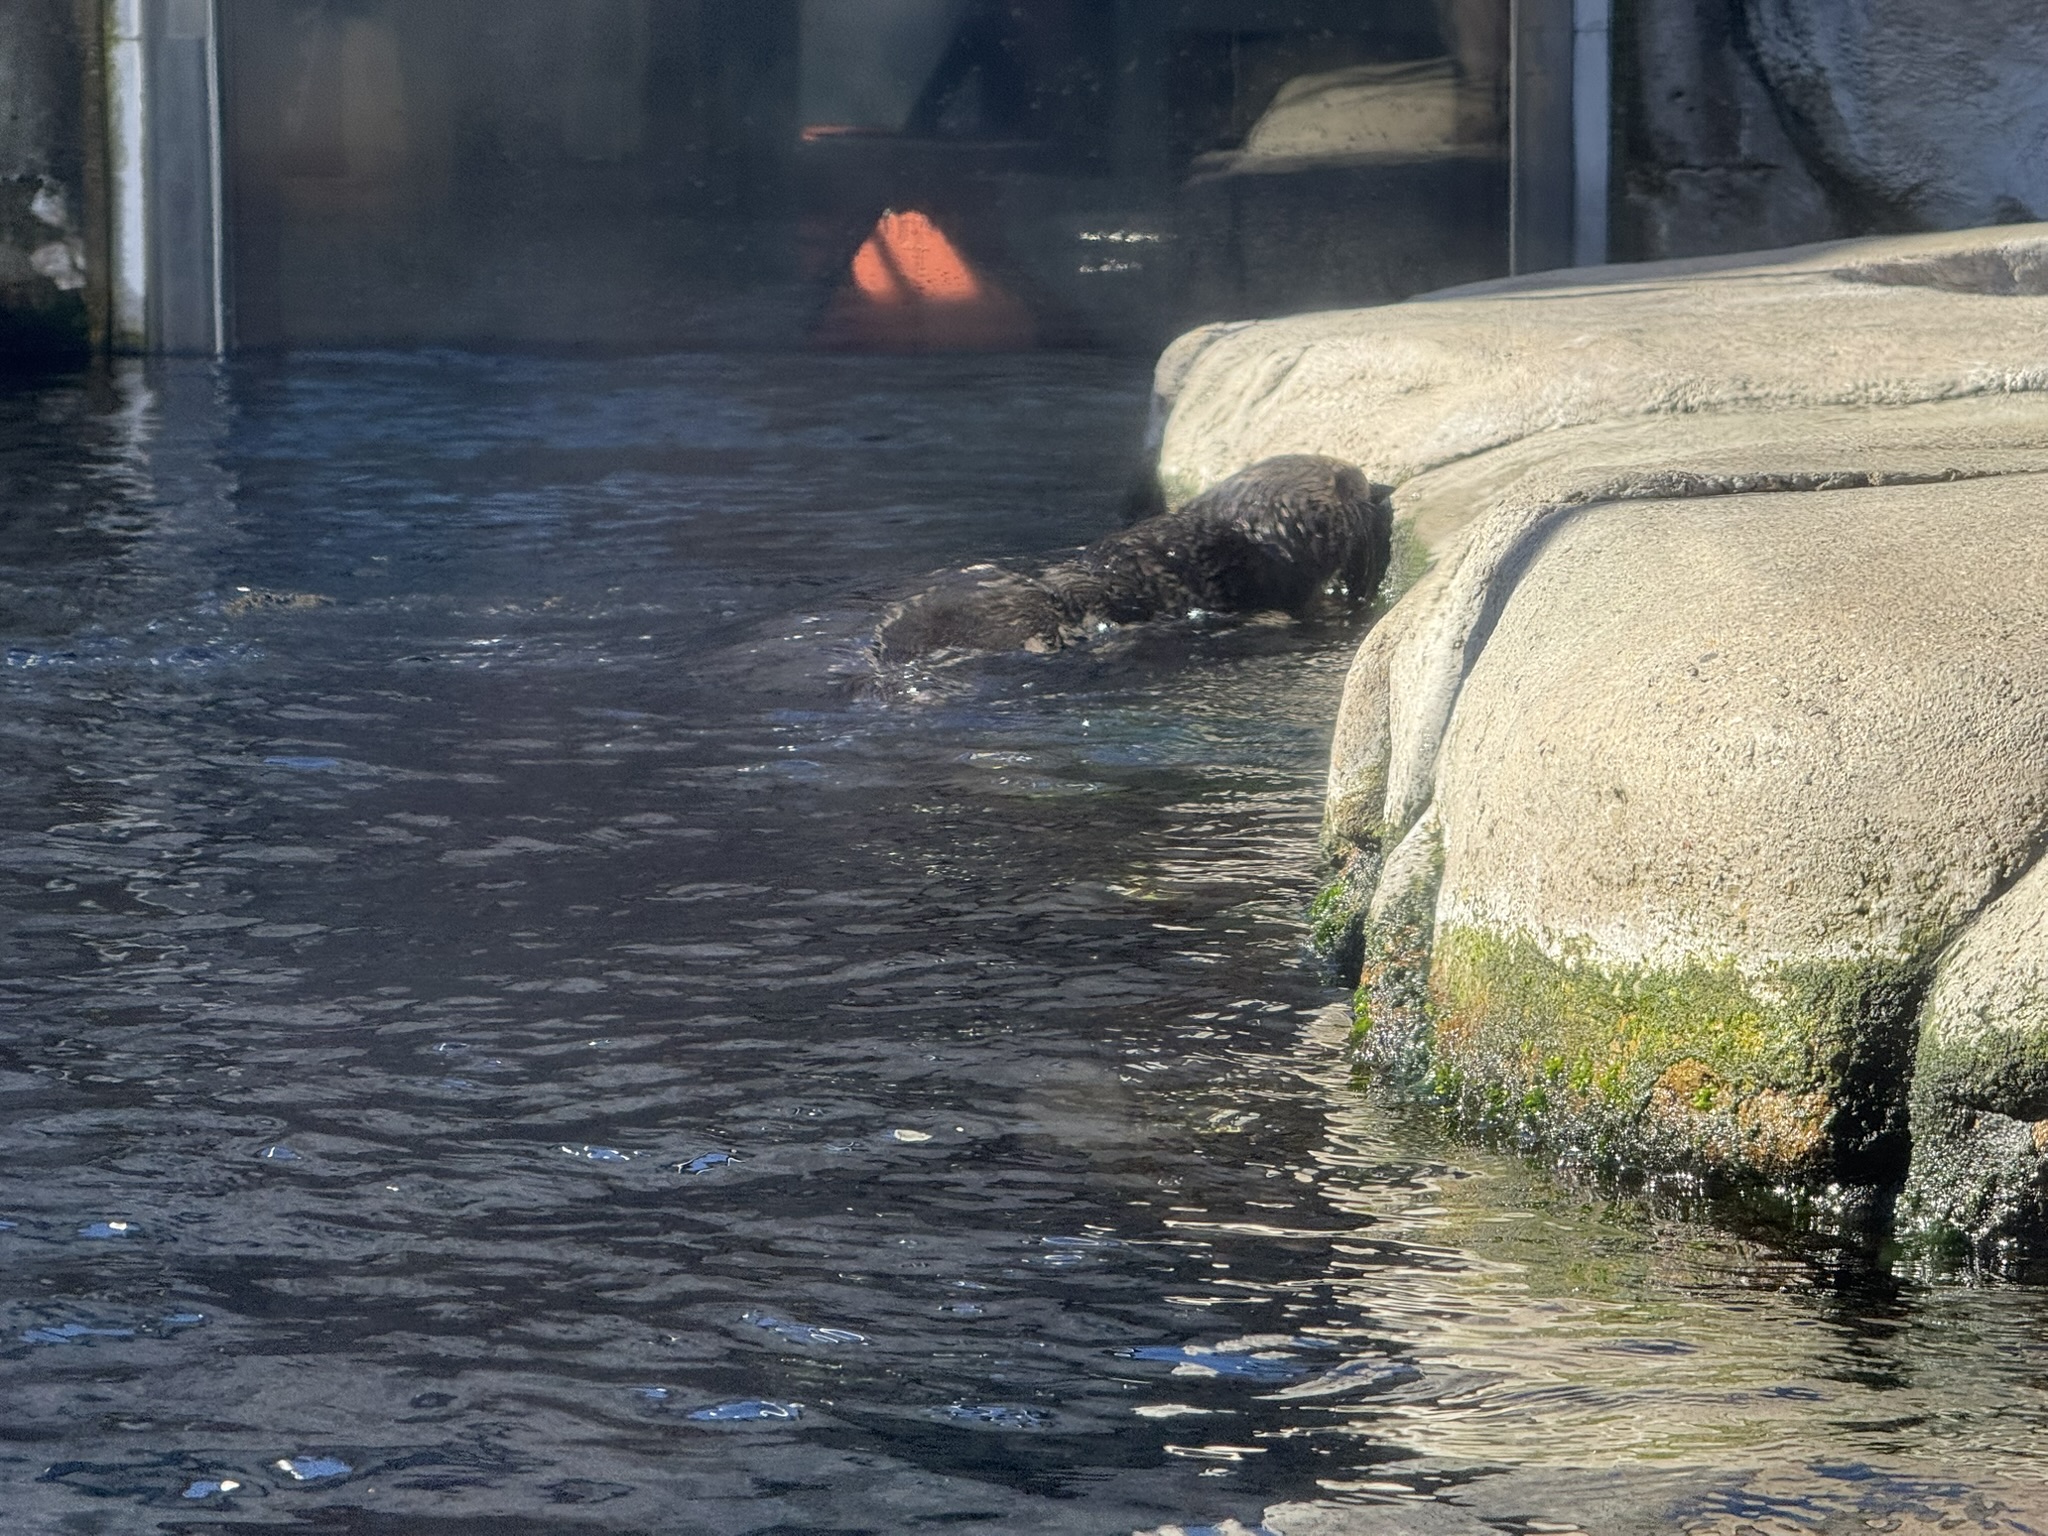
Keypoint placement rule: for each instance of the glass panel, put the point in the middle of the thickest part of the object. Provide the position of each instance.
(893, 174)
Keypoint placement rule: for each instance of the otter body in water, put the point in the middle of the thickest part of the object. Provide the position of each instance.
(1275, 536)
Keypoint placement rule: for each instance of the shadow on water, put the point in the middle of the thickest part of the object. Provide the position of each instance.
(496, 1035)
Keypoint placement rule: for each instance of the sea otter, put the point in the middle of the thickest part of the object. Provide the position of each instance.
(1275, 536)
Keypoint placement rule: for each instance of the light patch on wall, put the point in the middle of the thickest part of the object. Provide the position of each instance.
(186, 20)
(62, 262)
(49, 206)
(909, 288)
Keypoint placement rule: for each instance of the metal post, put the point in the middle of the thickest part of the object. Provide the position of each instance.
(169, 234)
(218, 185)
(127, 191)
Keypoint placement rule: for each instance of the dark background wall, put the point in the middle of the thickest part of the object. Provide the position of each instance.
(1747, 124)
(661, 173)
(48, 182)
(476, 172)
(649, 173)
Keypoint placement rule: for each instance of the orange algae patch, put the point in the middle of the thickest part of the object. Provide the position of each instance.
(909, 289)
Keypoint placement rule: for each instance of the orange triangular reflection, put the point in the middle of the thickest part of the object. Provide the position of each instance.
(910, 289)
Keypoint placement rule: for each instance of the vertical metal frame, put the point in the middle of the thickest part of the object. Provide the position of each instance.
(127, 176)
(215, 117)
(1515, 136)
(1560, 62)
(168, 234)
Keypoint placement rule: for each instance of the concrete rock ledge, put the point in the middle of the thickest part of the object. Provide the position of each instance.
(1685, 809)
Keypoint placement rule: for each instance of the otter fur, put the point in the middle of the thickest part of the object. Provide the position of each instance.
(1275, 536)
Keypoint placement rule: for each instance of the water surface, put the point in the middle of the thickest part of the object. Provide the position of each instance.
(500, 1030)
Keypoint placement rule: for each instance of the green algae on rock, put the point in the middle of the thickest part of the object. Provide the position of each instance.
(1797, 1073)
(1700, 815)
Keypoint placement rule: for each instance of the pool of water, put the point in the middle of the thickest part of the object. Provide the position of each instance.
(506, 1026)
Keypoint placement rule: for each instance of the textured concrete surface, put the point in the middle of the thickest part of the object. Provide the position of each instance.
(1367, 109)
(1923, 116)
(1477, 520)
(1751, 123)
(1822, 731)
(1703, 160)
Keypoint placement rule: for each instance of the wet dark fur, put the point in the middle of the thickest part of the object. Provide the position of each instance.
(1274, 536)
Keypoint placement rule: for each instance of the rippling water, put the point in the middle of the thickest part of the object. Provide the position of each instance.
(501, 1032)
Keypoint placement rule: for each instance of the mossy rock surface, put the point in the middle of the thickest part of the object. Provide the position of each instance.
(1798, 1073)
(1722, 697)
(1706, 818)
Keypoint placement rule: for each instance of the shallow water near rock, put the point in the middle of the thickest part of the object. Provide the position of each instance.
(537, 966)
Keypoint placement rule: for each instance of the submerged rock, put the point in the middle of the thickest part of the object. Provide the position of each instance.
(1277, 535)
(1685, 810)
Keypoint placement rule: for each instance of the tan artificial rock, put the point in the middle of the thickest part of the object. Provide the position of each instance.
(1716, 710)
(1766, 727)
(1405, 388)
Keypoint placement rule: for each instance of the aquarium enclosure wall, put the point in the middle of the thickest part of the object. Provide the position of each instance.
(875, 174)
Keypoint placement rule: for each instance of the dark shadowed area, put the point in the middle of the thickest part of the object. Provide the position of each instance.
(650, 174)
